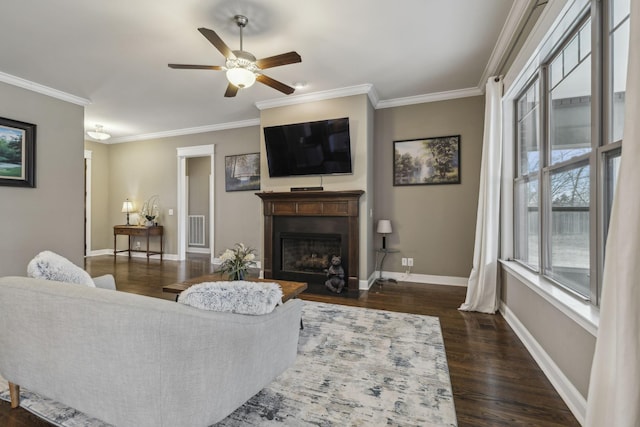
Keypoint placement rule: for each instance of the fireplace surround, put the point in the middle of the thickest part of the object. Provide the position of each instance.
(304, 229)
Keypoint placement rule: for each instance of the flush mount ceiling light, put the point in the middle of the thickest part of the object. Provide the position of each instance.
(99, 134)
(243, 69)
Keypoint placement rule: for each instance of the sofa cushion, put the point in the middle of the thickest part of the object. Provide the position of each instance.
(238, 296)
(51, 266)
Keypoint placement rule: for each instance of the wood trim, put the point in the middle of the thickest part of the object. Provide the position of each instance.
(311, 203)
(314, 204)
(14, 392)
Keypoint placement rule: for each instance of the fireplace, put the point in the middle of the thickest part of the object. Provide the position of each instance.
(303, 253)
(303, 231)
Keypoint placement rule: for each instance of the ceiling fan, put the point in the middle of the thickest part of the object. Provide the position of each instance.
(243, 69)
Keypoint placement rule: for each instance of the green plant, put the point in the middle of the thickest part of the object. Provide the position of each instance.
(236, 261)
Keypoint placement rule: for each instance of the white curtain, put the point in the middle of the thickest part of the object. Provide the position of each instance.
(482, 290)
(614, 388)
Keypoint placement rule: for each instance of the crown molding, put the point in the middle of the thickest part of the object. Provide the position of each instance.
(186, 131)
(503, 44)
(320, 96)
(44, 90)
(430, 97)
(367, 89)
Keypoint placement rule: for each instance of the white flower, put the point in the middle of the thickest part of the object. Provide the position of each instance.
(227, 255)
(236, 262)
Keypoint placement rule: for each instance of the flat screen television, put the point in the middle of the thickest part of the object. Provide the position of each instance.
(312, 148)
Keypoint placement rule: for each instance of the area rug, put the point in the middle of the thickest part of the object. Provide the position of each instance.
(355, 367)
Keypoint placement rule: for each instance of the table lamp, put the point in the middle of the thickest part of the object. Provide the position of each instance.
(384, 228)
(127, 206)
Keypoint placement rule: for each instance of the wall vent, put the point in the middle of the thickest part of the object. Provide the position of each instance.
(196, 230)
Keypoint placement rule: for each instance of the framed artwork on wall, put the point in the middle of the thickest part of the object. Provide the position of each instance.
(242, 172)
(427, 161)
(17, 153)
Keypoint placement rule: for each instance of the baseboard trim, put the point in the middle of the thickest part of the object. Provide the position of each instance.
(572, 397)
(100, 252)
(165, 256)
(424, 278)
(198, 250)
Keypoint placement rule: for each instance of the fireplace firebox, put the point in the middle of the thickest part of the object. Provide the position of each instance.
(304, 230)
(307, 253)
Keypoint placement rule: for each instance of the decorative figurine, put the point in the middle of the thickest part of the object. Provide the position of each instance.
(335, 274)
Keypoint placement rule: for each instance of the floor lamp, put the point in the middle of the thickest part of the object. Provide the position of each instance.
(384, 228)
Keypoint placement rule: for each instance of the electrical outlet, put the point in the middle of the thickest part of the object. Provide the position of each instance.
(410, 262)
(404, 262)
(170, 212)
(137, 245)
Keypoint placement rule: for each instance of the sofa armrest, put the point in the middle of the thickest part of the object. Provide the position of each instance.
(105, 282)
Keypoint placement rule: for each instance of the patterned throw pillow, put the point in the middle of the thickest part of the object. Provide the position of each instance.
(238, 296)
(51, 266)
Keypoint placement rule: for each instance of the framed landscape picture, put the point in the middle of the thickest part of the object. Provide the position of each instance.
(17, 153)
(242, 172)
(427, 161)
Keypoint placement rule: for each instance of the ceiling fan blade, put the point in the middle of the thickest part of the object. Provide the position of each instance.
(278, 60)
(195, 67)
(217, 42)
(275, 84)
(231, 91)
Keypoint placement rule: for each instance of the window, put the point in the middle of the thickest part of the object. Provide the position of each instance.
(619, 47)
(526, 186)
(569, 126)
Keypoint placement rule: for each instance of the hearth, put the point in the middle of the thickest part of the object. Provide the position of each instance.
(304, 230)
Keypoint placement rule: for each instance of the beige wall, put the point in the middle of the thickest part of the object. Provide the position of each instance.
(359, 111)
(141, 169)
(50, 216)
(433, 224)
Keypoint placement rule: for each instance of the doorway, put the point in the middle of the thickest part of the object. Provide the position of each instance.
(185, 153)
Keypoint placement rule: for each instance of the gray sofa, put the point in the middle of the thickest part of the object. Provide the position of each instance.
(132, 360)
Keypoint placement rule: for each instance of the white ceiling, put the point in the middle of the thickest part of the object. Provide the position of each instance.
(114, 54)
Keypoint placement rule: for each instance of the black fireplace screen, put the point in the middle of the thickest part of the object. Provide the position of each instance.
(308, 253)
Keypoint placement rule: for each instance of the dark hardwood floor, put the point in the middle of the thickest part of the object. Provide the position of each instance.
(494, 379)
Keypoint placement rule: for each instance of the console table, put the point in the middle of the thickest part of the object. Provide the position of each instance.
(138, 231)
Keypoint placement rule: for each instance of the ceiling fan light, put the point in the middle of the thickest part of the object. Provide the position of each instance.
(241, 77)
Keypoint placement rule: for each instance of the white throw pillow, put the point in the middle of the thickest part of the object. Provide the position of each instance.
(51, 266)
(238, 296)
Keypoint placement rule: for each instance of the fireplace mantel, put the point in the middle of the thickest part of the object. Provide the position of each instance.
(314, 204)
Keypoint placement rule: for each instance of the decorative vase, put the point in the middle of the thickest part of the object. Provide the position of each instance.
(238, 275)
(149, 223)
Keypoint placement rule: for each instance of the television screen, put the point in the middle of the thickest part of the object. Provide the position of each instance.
(312, 148)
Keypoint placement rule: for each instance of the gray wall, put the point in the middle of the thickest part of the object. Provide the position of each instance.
(139, 170)
(568, 344)
(433, 224)
(358, 109)
(50, 216)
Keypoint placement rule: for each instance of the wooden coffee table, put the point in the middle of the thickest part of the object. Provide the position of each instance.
(289, 289)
